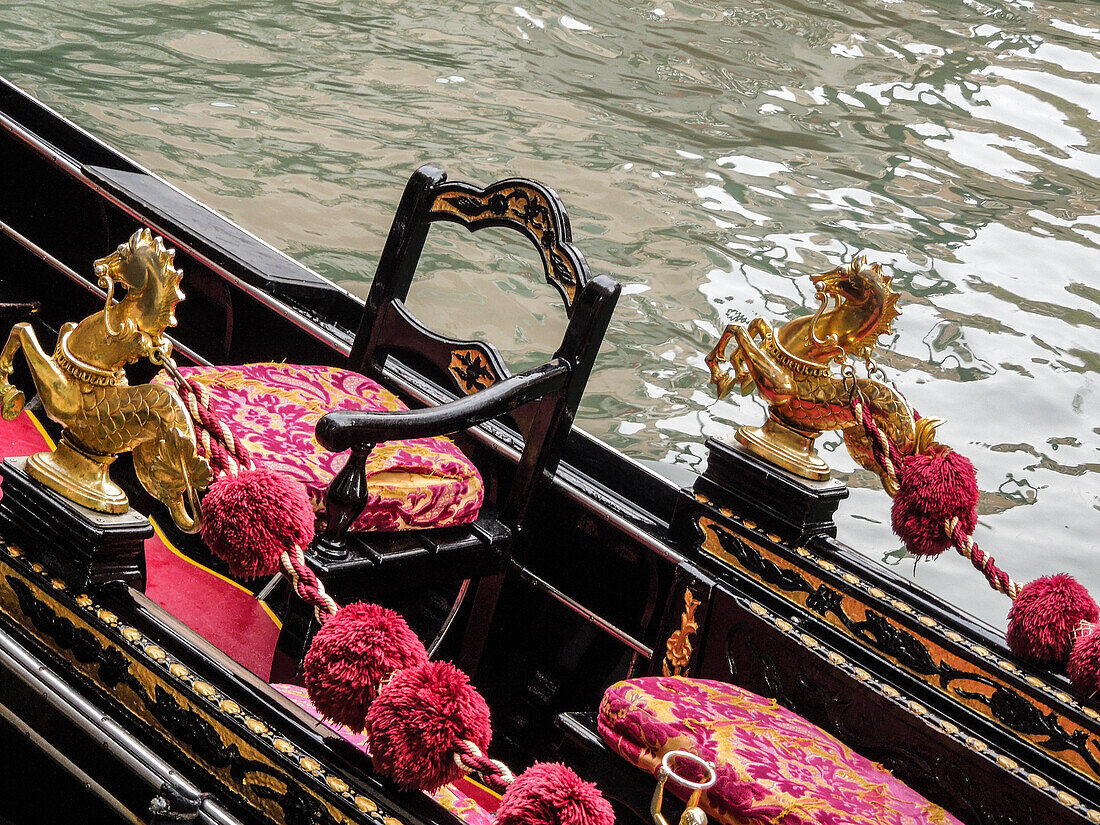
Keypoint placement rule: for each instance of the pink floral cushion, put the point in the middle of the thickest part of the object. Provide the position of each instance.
(470, 801)
(274, 408)
(773, 766)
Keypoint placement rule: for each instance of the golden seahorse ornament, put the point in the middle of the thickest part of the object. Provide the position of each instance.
(792, 368)
(83, 387)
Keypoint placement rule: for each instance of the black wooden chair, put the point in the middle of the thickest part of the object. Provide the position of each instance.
(464, 383)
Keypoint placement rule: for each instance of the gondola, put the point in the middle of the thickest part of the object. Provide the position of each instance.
(137, 670)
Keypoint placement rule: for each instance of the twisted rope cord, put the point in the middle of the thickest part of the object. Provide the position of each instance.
(998, 579)
(885, 451)
(224, 450)
(890, 459)
(227, 454)
(307, 585)
(470, 759)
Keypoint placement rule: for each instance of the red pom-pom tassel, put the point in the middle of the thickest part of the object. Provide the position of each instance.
(934, 488)
(351, 655)
(1044, 617)
(552, 794)
(418, 720)
(250, 519)
(1084, 662)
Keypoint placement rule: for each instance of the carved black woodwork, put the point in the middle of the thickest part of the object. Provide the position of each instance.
(542, 401)
(894, 627)
(345, 499)
(876, 710)
(538, 405)
(683, 629)
(1015, 719)
(794, 508)
(85, 547)
(261, 756)
(830, 600)
(879, 719)
(528, 207)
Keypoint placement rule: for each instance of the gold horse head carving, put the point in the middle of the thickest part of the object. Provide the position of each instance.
(147, 269)
(791, 367)
(83, 387)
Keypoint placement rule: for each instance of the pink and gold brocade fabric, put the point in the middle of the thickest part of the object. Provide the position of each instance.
(773, 766)
(468, 800)
(274, 408)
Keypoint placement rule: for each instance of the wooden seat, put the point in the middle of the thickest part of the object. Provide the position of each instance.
(465, 383)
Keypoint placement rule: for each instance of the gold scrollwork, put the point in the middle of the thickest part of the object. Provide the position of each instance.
(526, 205)
(926, 649)
(252, 760)
(681, 642)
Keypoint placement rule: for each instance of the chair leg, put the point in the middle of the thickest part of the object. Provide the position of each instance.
(298, 629)
(481, 618)
(344, 501)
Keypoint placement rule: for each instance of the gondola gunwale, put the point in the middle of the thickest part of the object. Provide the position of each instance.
(169, 656)
(56, 715)
(946, 649)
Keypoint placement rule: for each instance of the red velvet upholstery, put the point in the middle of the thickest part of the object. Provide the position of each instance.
(274, 408)
(773, 766)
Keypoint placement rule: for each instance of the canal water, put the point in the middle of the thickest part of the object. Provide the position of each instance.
(712, 156)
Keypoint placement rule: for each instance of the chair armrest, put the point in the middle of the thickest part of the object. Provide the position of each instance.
(342, 429)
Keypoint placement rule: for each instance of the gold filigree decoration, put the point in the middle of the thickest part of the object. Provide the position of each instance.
(681, 642)
(523, 206)
(158, 671)
(926, 717)
(946, 669)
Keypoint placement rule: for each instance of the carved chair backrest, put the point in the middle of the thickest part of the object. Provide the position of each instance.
(388, 328)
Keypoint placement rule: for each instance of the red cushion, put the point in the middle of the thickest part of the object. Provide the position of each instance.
(773, 766)
(274, 408)
(468, 800)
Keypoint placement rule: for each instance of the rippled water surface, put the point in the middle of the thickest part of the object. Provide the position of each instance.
(712, 154)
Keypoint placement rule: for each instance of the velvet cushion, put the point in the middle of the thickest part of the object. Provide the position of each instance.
(274, 408)
(773, 766)
(470, 801)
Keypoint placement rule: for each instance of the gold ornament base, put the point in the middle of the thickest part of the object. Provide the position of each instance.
(786, 447)
(79, 476)
(84, 547)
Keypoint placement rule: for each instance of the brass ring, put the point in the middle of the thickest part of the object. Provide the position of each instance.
(712, 774)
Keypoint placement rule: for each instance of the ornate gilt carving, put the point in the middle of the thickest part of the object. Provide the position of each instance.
(249, 762)
(84, 388)
(681, 642)
(791, 368)
(958, 668)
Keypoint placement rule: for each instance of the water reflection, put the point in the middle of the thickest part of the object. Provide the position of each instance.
(712, 154)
